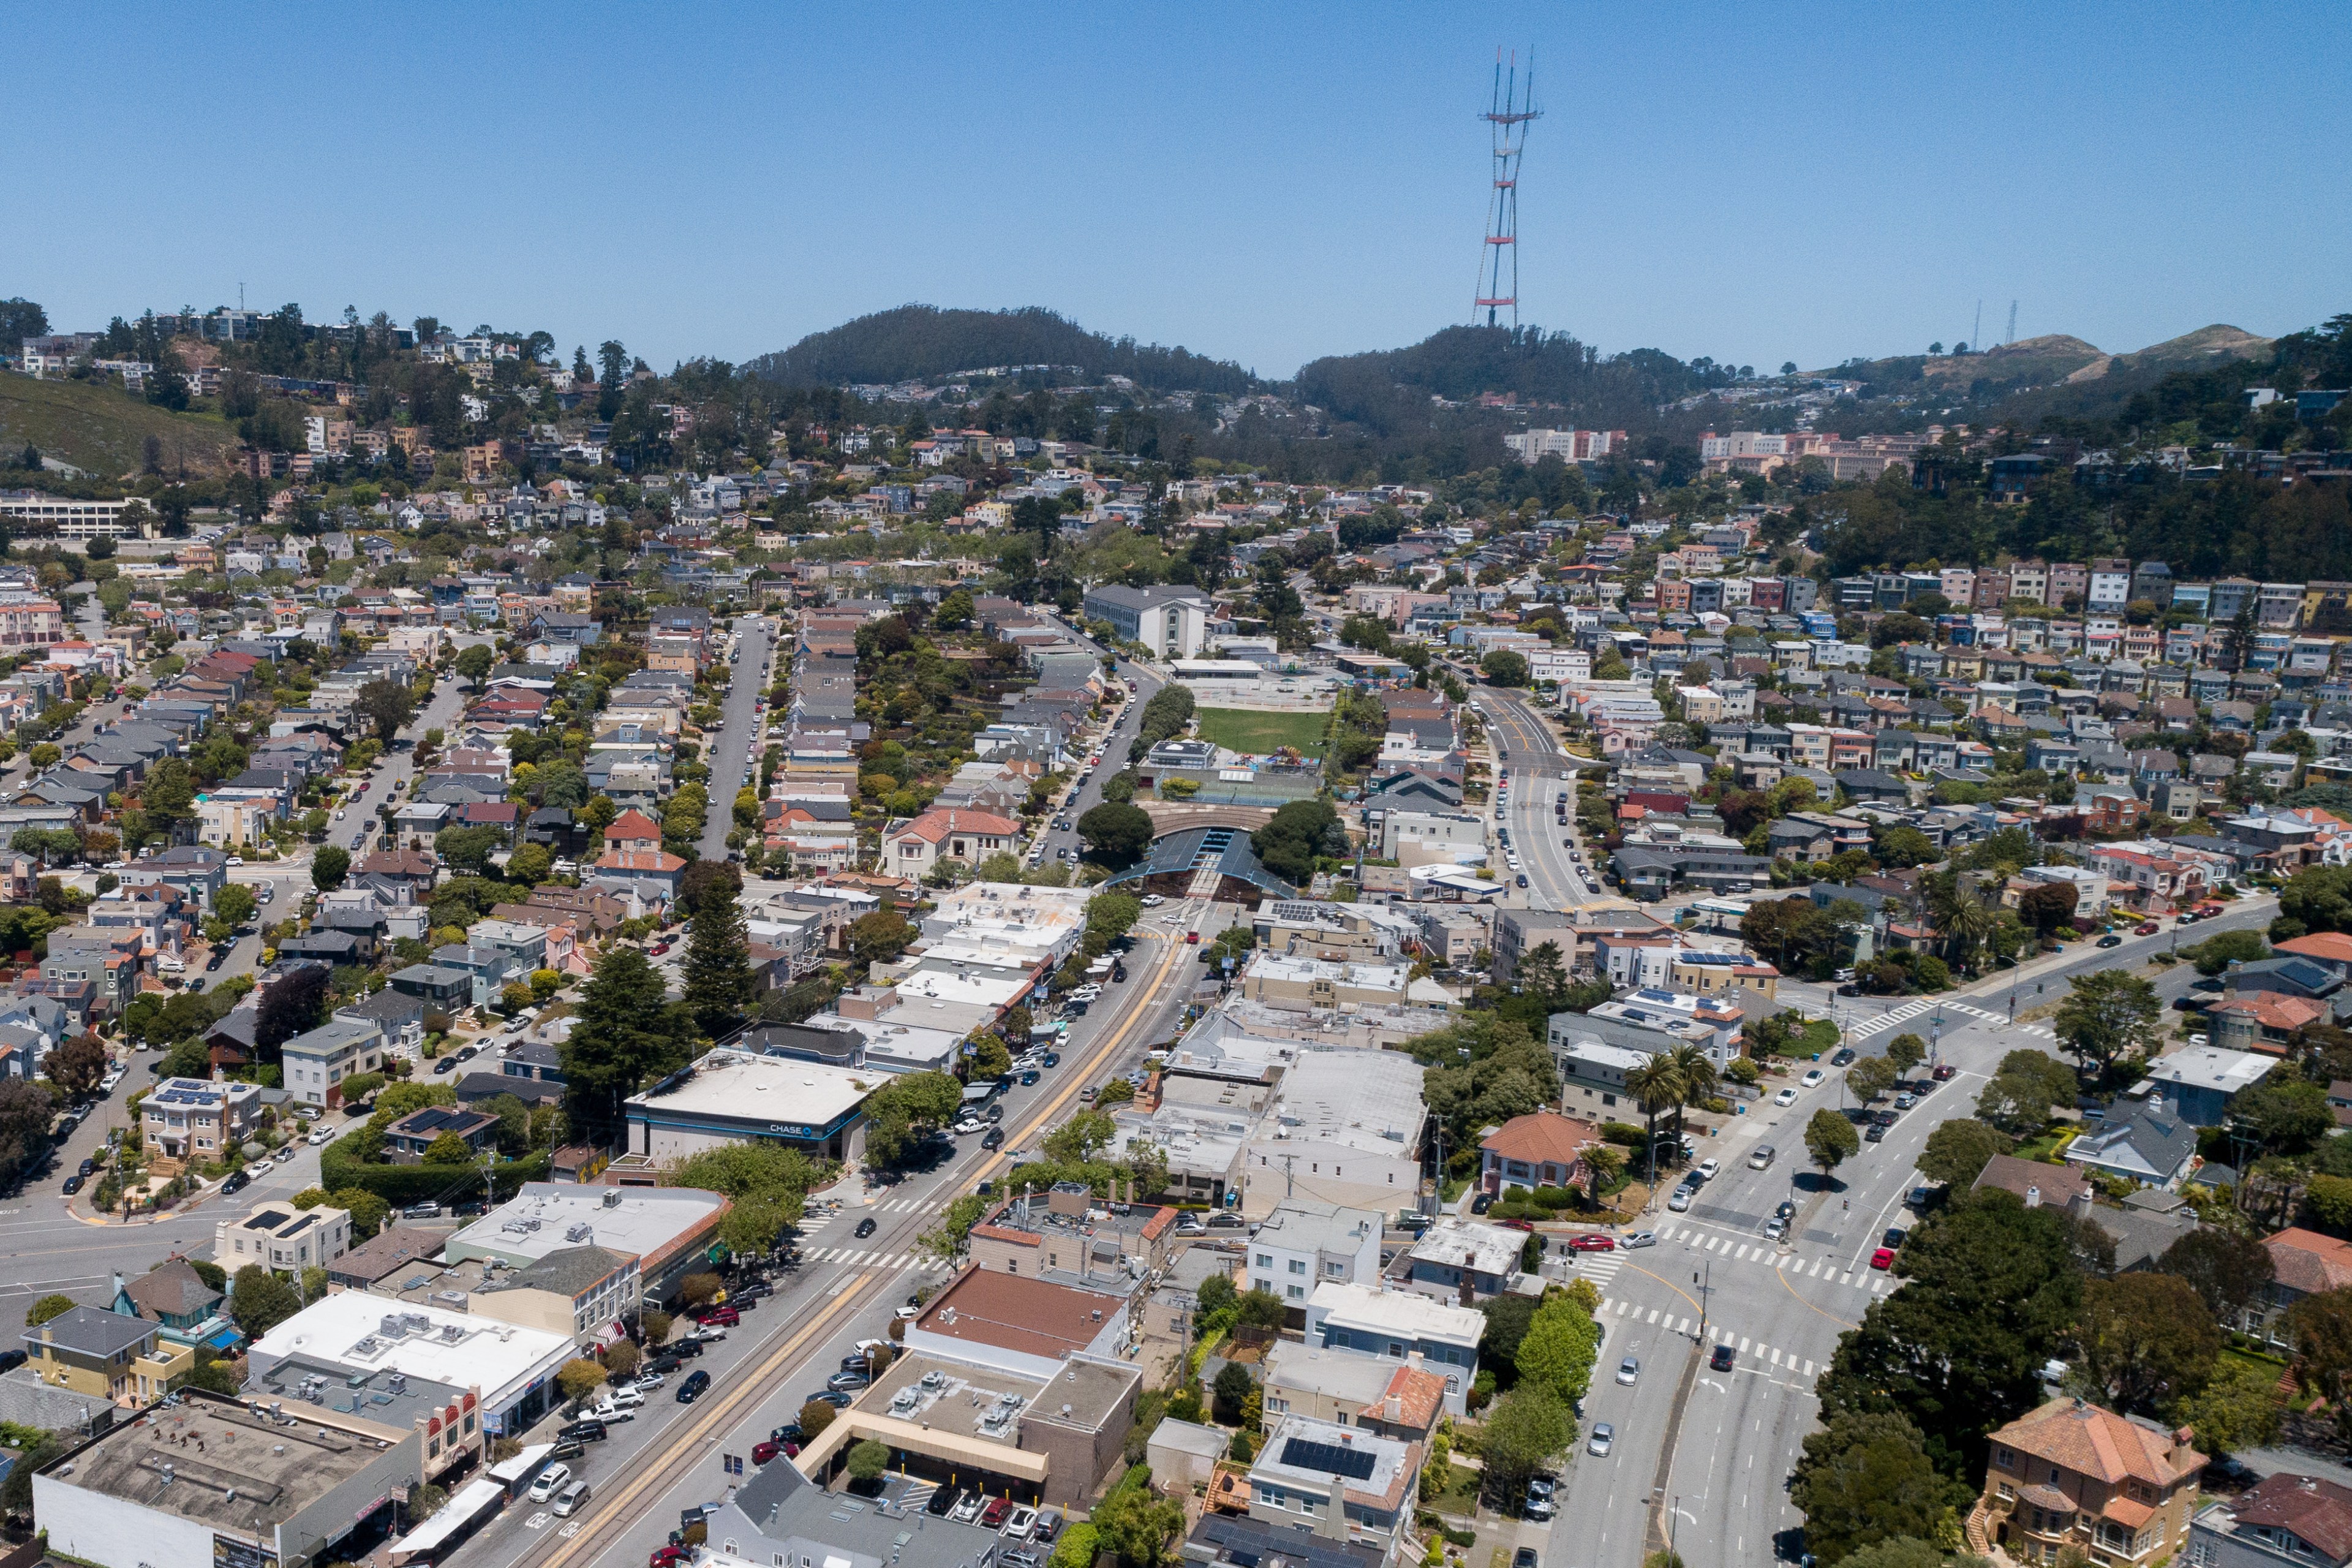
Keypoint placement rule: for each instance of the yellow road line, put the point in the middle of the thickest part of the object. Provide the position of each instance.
(685, 1446)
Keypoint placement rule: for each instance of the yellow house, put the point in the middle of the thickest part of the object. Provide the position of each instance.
(106, 1355)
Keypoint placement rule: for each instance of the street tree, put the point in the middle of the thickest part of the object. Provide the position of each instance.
(2017, 1098)
(2321, 1324)
(1116, 834)
(1138, 1525)
(1558, 1350)
(258, 1302)
(388, 705)
(2110, 1014)
(1958, 1151)
(474, 663)
(1525, 1429)
(78, 1066)
(2238, 1407)
(1831, 1141)
(329, 864)
(1906, 1051)
(1866, 1477)
(1870, 1077)
(236, 903)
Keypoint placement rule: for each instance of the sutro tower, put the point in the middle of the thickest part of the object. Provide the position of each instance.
(1511, 109)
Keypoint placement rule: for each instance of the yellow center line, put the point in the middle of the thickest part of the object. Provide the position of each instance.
(685, 1446)
(1824, 1311)
(1670, 1285)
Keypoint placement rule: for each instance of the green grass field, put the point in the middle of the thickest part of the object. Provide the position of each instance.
(102, 430)
(1258, 733)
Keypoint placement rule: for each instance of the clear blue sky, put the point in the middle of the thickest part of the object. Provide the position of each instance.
(1266, 182)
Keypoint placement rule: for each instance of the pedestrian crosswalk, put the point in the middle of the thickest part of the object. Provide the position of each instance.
(1601, 1267)
(1911, 1010)
(857, 1257)
(909, 1205)
(1665, 1318)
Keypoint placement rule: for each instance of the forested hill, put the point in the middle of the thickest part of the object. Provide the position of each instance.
(1391, 389)
(923, 343)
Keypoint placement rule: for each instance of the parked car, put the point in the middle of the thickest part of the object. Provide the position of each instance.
(586, 1430)
(1883, 1259)
(943, 1500)
(832, 1396)
(1786, 1097)
(1680, 1201)
(1844, 1058)
(998, 1510)
(2110, 940)
(1812, 1078)
(693, 1388)
(719, 1318)
(1893, 1236)
(1482, 1203)
(609, 1413)
(846, 1380)
(1024, 1520)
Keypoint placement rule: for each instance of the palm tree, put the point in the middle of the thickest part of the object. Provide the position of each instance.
(1695, 1081)
(1966, 922)
(1655, 1086)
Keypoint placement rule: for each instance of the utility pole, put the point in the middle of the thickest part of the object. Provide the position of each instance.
(1289, 1175)
(1706, 1293)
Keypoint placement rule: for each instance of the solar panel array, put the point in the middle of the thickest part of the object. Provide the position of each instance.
(1305, 1453)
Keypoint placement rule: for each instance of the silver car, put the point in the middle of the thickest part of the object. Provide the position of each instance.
(1605, 1436)
(1629, 1371)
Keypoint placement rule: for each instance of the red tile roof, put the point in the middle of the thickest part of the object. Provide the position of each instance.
(1541, 1136)
(633, 826)
(2328, 946)
(2090, 1441)
(2307, 1261)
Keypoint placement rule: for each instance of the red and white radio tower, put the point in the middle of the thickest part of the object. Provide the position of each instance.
(1511, 109)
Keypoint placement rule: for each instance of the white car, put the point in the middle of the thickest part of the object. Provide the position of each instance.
(611, 1411)
(323, 1135)
(1024, 1520)
(626, 1396)
(965, 1128)
(236, 859)
(106, 1085)
(1812, 1078)
(1707, 1168)
(552, 1480)
(1786, 1097)
(1152, 900)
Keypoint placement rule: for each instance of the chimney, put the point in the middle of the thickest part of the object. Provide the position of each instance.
(2034, 1197)
(1392, 1409)
(2079, 1205)
(1334, 1521)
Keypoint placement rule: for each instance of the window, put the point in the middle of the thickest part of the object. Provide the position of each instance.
(1298, 1266)
(1295, 1292)
(1266, 1260)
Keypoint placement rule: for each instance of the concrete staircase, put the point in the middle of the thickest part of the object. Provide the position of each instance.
(1978, 1529)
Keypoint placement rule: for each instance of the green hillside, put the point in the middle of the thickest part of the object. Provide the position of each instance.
(103, 430)
(923, 343)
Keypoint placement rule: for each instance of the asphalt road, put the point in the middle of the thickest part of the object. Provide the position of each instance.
(1528, 754)
(730, 752)
(845, 1289)
(1781, 1307)
(1111, 746)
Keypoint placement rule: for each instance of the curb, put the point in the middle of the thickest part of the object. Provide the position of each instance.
(1654, 1538)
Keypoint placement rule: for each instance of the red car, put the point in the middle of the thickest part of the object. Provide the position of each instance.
(659, 949)
(1593, 1242)
(667, 1556)
(996, 1513)
(1515, 1225)
(1943, 1070)
(723, 1317)
(763, 1452)
(1192, 937)
(1883, 1259)
(2147, 927)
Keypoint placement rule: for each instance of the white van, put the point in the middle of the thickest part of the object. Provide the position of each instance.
(1762, 1159)
(572, 1499)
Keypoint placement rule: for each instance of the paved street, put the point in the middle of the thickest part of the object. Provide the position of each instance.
(730, 754)
(845, 1290)
(1781, 1308)
(1527, 752)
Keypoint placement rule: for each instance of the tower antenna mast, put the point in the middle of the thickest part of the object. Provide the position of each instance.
(2012, 323)
(1511, 110)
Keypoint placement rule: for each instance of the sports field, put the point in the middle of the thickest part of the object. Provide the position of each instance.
(1240, 730)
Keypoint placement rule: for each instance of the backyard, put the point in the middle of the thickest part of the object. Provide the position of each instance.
(1238, 729)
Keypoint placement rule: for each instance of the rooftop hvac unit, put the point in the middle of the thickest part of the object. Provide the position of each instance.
(613, 1197)
(580, 1232)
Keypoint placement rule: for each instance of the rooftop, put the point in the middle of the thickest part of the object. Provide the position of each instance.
(1309, 1455)
(1456, 1243)
(211, 1460)
(1032, 1317)
(548, 1216)
(733, 1085)
(1396, 1311)
(1302, 1225)
(356, 1329)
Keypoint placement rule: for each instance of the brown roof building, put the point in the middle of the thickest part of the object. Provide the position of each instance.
(2073, 1475)
(1543, 1148)
(2286, 1519)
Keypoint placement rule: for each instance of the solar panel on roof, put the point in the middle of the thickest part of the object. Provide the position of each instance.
(1356, 1464)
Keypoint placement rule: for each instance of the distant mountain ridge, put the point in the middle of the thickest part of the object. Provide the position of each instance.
(924, 343)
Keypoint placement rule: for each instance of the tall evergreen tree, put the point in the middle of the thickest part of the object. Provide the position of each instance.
(628, 1035)
(719, 980)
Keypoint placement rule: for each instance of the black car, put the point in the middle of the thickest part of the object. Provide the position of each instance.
(1482, 1203)
(994, 1138)
(589, 1431)
(1844, 1058)
(2110, 940)
(1721, 1359)
(865, 1228)
(789, 1432)
(1874, 1133)
(832, 1396)
(73, 1185)
(662, 1365)
(1030, 1076)
(688, 1348)
(90, 1167)
(1893, 1236)
(446, 1064)
(236, 1181)
(566, 1448)
(943, 1500)
(1525, 1557)
(1053, 1058)
(692, 1388)
(1786, 1210)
